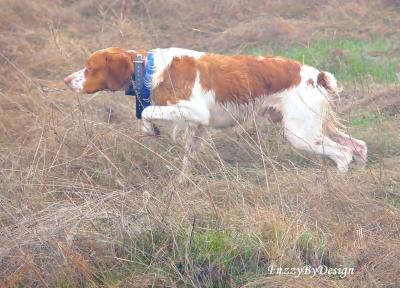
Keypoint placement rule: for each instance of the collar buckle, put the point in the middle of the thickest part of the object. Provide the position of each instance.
(139, 83)
(136, 80)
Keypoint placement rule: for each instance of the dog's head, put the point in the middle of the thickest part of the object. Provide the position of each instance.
(106, 69)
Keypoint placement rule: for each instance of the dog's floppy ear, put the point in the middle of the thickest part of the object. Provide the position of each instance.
(120, 68)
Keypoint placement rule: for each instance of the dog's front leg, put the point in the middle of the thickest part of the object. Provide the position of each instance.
(192, 118)
(193, 141)
(150, 129)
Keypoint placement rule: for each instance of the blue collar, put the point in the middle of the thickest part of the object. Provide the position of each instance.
(141, 83)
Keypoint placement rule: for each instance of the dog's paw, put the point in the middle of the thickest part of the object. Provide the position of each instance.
(150, 129)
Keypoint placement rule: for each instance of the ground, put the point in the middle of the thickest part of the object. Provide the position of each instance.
(87, 200)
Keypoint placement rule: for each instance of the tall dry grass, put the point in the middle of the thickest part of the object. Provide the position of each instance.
(87, 200)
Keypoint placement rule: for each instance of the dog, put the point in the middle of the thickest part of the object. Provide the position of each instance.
(199, 90)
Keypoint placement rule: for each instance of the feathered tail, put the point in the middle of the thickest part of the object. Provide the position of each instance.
(332, 122)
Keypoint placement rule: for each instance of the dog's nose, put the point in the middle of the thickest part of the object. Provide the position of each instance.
(68, 80)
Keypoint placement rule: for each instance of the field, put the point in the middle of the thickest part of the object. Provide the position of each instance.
(87, 200)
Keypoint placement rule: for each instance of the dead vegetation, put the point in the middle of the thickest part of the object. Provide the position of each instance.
(87, 200)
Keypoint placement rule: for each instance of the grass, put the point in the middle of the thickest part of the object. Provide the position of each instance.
(369, 118)
(207, 257)
(392, 195)
(349, 59)
(379, 131)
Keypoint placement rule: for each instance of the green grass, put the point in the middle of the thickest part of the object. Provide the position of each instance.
(209, 257)
(348, 59)
(311, 243)
(368, 118)
(392, 192)
(379, 131)
(222, 248)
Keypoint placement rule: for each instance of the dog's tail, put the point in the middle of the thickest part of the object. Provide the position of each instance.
(329, 82)
(332, 121)
(332, 124)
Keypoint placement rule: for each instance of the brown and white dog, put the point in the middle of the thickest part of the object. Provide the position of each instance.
(208, 90)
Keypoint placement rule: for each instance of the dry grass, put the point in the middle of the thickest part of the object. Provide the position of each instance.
(87, 200)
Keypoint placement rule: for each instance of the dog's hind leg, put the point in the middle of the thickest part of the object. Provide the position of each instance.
(358, 147)
(318, 144)
(304, 113)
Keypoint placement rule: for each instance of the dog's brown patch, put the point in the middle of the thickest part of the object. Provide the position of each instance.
(178, 81)
(241, 79)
